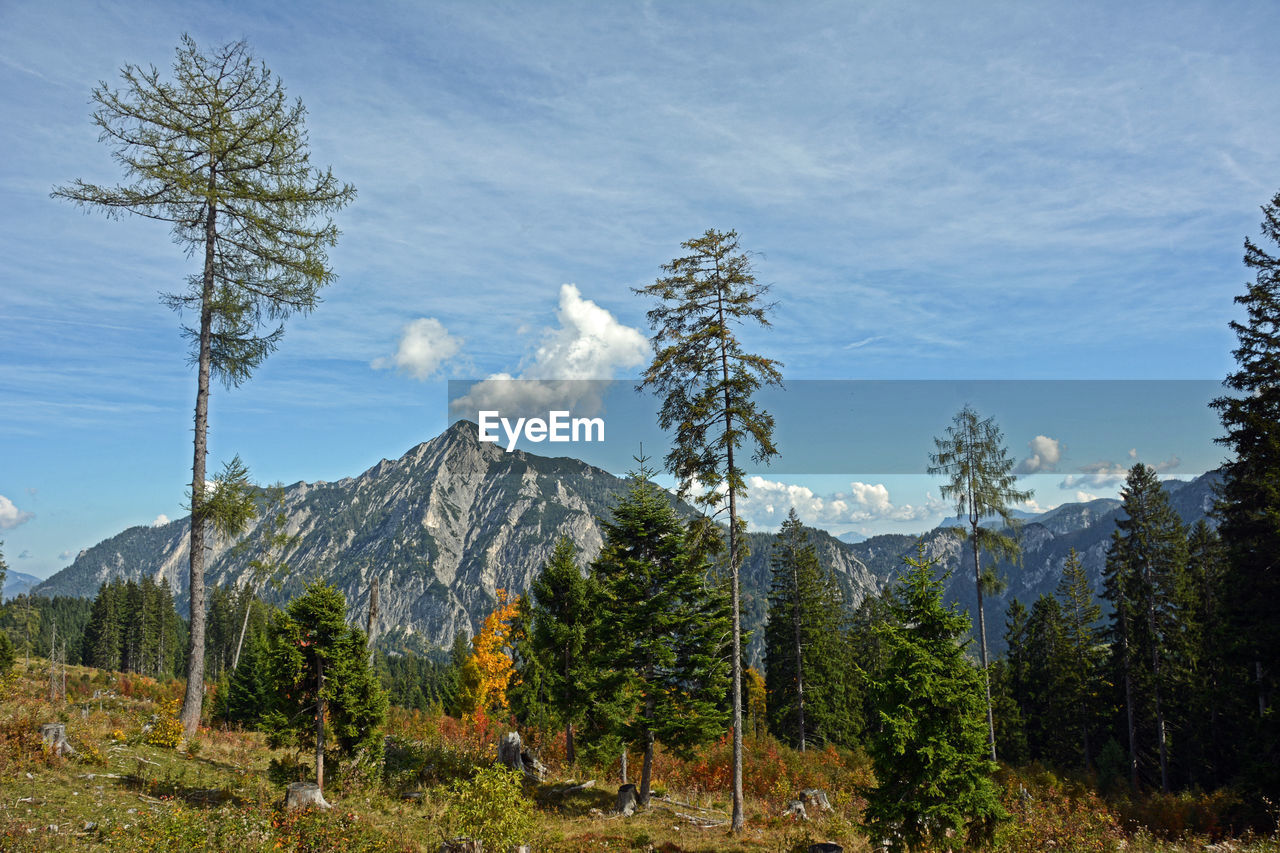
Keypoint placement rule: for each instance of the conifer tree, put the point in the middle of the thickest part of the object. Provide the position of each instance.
(1210, 699)
(553, 653)
(1081, 671)
(221, 155)
(929, 749)
(668, 629)
(707, 383)
(980, 480)
(321, 679)
(1249, 510)
(1146, 567)
(805, 675)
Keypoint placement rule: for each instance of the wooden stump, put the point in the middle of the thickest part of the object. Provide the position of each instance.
(816, 798)
(302, 795)
(627, 800)
(825, 847)
(513, 754)
(55, 737)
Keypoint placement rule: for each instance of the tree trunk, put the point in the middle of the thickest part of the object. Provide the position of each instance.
(570, 753)
(1128, 704)
(244, 626)
(646, 769)
(738, 819)
(795, 613)
(320, 723)
(194, 697)
(982, 638)
(624, 765)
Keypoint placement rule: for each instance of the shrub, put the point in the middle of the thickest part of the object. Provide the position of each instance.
(491, 808)
(166, 730)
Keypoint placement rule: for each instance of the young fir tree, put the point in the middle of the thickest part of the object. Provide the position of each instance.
(707, 383)
(321, 679)
(221, 154)
(552, 652)
(805, 675)
(1081, 666)
(664, 644)
(930, 749)
(981, 481)
(1145, 569)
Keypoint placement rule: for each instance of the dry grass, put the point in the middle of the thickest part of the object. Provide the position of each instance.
(221, 792)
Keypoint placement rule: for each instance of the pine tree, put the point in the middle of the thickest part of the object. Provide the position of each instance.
(707, 383)
(930, 750)
(667, 629)
(101, 645)
(1210, 701)
(805, 675)
(980, 480)
(222, 155)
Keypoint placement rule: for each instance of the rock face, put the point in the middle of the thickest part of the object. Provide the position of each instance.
(453, 520)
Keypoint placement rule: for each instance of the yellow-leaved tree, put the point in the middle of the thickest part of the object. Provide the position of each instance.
(488, 672)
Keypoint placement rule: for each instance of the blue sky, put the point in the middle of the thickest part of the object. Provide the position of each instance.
(934, 191)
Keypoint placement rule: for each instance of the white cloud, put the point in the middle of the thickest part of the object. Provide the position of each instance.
(1106, 474)
(1045, 454)
(767, 502)
(161, 520)
(571, 366)
(1085, 497)
(425, 345)
(11, 516)
(65, 555)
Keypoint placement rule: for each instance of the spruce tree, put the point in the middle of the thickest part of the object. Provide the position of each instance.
(981, 481)
(1249, 510)
(805, 676)
(1146, 567)
(665, 637)
(221, 154)
(1081, 668)
(553, 651)
(707, 383)
(930, 747)
(321, 679)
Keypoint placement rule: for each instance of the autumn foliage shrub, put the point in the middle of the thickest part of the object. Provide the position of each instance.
(1047, 814)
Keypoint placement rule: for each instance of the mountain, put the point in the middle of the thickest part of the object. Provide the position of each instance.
(453, 520)
(16, 583)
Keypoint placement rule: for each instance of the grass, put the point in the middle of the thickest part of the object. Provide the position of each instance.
(224, 790)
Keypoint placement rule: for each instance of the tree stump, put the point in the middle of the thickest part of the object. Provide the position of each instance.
(460, 845)
(816, 798)
(302, 795)
(825, 847)
(796, 809)
(55, 737)
(627, 800)
(513, 754)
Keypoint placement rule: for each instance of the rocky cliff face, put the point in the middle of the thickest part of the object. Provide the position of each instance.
(453, 520)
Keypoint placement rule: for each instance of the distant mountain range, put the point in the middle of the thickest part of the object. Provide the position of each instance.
(17, 583)
(453, 520)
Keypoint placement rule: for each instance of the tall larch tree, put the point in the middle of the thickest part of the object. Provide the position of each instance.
(981, 482)
(707, 383)
(220, 154)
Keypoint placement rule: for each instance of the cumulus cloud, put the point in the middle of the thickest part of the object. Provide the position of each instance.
(65, 555)
(570, 368)
(161, 520)
(1046, 452)
(1085, 497)
(767, 503)
(11, 516)
(425, 345)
